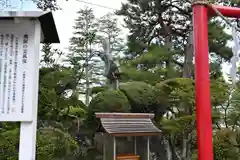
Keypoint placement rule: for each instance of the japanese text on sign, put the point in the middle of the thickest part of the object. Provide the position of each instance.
(13, 66)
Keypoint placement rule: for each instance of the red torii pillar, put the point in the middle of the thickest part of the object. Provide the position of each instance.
(202, 80)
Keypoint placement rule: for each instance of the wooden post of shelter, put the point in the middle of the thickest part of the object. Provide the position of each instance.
(138, 126)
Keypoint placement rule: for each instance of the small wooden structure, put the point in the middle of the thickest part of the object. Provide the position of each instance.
(138, 127)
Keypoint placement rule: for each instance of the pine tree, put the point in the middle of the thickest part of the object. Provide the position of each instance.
(113, 46)
(160, 48)
(109, 30)
(83, 55)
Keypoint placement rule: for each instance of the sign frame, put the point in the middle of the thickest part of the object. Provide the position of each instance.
(43, 30)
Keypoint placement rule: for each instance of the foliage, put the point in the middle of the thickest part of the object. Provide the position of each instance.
(52, 143)
(158, 77)
(178, 90)
(55, 85)
(142, 96)
(160, 51)
(107, 101)
(225, 145)
(83, 57)
(9, 143)
(96, 90)
(109, 30)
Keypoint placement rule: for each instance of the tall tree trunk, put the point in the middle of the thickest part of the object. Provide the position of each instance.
(87, 94)
(188, 59)
(87, 80)
(169, 48)
(187, 73)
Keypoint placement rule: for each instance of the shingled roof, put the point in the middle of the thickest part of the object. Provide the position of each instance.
(128, 124)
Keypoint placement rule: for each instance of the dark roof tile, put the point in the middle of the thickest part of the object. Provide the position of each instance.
(123, 124)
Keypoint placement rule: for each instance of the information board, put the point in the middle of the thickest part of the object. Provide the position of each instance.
(18, 65)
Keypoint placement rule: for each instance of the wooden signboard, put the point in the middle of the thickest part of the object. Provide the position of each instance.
(19, 67)
(128, 157)
(20, 36)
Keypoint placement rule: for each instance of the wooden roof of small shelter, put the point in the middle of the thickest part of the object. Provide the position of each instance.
(128, 124)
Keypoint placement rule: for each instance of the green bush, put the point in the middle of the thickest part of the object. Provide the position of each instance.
(108, 101)
(142, 96)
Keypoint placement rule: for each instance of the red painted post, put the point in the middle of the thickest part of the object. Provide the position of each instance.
(233, 12)
(202, 82)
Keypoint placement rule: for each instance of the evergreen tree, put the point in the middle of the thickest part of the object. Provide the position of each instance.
(109, 30)
(161, 47)
(158, 75)
(83, 55)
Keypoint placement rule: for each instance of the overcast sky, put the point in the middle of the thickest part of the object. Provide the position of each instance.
(64, 18)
